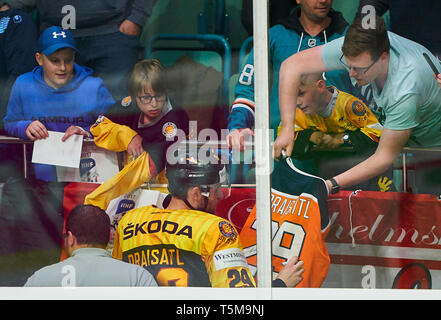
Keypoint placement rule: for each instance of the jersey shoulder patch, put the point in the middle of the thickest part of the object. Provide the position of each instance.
(358, 108)
(127, 101)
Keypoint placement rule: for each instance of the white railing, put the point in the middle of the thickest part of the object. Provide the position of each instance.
(401, 163)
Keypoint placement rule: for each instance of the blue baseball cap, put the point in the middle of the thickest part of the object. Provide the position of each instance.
(55, 38)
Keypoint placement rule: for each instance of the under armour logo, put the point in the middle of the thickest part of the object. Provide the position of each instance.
(55, 35)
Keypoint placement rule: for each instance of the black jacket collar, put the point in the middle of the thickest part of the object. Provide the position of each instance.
(338, 23)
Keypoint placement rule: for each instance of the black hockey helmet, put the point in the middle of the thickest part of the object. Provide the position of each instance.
(199, 167)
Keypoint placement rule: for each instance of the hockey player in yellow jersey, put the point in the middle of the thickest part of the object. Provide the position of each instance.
(184, 244)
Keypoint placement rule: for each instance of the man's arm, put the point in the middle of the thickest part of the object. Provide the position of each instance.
(390, 146)
(304, 62)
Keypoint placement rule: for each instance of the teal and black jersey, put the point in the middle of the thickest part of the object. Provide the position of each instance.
(285, 39)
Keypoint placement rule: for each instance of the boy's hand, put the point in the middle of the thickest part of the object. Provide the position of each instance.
(236, 138)
(73, 130)
(135, 148)
(316, 137)
(36, 131)
(331, 141)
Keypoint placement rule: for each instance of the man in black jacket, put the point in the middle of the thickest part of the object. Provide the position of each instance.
(18, 44)
(106, 33)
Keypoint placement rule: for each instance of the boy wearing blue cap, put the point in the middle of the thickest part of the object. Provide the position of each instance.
(58, 95)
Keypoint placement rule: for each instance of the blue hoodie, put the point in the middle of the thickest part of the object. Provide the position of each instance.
(79, 103)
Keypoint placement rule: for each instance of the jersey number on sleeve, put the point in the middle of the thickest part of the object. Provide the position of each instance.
(238, 276)
(246, 77)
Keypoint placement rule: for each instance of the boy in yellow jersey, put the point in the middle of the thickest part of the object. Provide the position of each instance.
(328, 118)
(184, 244)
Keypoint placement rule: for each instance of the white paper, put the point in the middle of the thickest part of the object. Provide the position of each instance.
(53, 151)
(96, 165)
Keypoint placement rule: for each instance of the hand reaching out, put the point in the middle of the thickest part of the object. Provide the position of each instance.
(236, 138)
(291, 274)
(284, 143)
(73, 130)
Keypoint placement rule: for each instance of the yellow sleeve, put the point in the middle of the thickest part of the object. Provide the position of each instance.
(132, 176)
(362, 117)
(224, 258)
(301, 123)
(110, 135)
(116, 251)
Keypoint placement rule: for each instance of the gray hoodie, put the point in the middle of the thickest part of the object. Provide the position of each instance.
(92, 17)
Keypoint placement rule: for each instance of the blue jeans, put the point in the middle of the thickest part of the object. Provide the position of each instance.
(111, 56)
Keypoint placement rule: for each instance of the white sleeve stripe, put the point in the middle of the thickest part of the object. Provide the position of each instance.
(241, 105)
(244, 100)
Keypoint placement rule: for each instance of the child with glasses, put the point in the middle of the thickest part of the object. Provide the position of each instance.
(145, 120)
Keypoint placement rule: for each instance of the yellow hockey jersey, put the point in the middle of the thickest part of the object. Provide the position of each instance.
(115, 137)
(183, 248)
(349, 114)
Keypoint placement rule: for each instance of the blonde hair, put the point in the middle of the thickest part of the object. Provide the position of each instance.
(146, 72)
(310, 78)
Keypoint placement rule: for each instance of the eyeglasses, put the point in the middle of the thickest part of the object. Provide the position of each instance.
(357, 69)
(148, 99)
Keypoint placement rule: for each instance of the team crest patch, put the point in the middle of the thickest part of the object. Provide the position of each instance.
(126, 101)
(312, 42)
(169, 129)
(227, 229)
(99, 120)
(358, 108)
(17, 19)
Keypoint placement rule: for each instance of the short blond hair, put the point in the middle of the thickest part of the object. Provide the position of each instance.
(310, 78)
(146, 72)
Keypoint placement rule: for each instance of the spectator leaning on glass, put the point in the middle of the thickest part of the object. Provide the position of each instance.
(310, 24)
(89, 264)
(328, 118)
(406, 98)
(58, 95)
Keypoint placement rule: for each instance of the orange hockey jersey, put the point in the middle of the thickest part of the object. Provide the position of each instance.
(299, 214)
